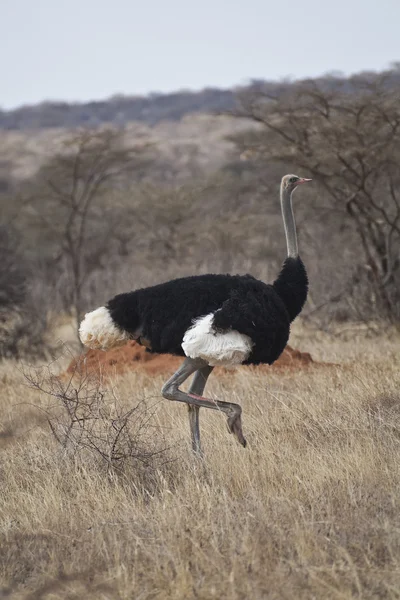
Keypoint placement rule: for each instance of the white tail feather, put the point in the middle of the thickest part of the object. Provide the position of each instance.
(98, 330)
(229, 348)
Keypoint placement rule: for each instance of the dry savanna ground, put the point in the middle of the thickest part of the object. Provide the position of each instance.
(119, 508)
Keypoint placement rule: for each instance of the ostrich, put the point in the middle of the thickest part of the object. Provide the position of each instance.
(211, 320)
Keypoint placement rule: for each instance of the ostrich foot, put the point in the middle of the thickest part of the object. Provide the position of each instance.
(235, 427)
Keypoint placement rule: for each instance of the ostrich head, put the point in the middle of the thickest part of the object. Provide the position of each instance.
(290, 182)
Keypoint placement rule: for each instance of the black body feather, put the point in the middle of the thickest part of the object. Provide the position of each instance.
(163, 313)
(292, 286)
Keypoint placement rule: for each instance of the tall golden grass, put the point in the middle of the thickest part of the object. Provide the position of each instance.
(311, 509)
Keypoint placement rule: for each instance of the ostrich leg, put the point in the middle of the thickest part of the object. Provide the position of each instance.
(197, 388)
(171, 391)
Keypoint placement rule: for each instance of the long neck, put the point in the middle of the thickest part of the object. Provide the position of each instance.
(289, 223)
(292, 282)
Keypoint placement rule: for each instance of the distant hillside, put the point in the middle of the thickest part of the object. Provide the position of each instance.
(194, 145)
(117, 110)
(154, 108)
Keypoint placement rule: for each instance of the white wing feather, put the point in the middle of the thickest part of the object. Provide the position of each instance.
(98, 330)
(228, 348)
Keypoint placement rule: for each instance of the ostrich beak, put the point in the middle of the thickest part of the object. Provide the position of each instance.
(303, 180)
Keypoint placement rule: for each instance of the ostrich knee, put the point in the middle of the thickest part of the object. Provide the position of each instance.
(169, 390)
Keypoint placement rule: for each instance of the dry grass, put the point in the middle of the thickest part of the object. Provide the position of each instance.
(309, 510)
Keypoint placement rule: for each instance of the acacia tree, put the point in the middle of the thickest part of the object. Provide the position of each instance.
(348, 139)
(75, 204)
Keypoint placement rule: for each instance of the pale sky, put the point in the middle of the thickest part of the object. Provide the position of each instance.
(91, 49)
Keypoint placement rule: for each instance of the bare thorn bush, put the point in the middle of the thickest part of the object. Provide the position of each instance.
(87, 418)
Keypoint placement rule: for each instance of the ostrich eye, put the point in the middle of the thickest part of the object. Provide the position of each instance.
(293, 180)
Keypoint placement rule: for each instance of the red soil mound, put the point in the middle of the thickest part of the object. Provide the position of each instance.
(133, 356)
